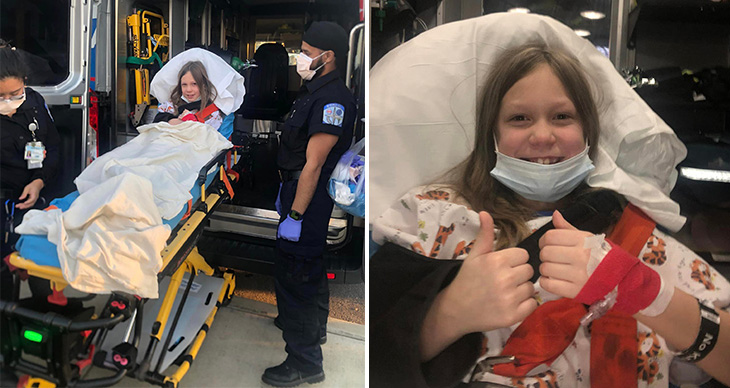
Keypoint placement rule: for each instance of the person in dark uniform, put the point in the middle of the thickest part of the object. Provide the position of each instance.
(30, 157)
(314, 137)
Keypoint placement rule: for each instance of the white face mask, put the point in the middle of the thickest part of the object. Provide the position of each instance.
(9, 106)
(542, 182)
(188, 101)
(303, 66)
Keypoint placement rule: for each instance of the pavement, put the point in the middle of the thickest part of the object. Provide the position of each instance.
(243, 341)
(347, 301)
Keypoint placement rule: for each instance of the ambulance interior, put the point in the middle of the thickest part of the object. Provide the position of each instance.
(94, 67)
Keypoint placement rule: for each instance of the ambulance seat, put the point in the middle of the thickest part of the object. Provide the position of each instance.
(266, 84)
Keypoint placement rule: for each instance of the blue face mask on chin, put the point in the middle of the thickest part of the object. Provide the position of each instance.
(188, 101)
(541, 182)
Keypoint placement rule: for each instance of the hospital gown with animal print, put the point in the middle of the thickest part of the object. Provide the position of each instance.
(214, 120)
(433, 223)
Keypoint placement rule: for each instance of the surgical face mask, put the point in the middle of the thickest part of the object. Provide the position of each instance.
(188, 101)
(542, 182)
(303, 66)
(12, 104)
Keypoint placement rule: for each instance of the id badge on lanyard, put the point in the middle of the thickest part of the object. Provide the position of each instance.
(35, 151)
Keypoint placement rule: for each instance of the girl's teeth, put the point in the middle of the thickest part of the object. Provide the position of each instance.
(544, 161)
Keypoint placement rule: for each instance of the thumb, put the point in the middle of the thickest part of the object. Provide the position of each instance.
(560, 223)
(485, 238)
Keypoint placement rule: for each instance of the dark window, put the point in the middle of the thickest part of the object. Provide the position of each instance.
(215, 27)
(39, 28)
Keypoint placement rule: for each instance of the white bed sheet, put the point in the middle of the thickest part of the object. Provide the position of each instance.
(111, 237)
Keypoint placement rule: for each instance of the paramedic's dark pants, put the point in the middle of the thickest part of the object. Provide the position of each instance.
(302, 293)
(6, 248)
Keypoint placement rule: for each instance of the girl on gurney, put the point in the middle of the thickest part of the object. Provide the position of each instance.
(160, 165)
(194, 93)
(197, 85)
(651, 300)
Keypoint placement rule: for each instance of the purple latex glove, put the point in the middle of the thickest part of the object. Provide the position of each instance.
(277, 204)
(290, 229)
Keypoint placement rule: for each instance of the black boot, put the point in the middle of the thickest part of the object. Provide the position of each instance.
(285, 375)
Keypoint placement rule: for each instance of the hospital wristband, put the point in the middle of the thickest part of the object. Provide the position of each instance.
(706, 338)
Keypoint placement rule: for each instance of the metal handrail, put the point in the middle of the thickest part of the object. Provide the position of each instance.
(351, 53)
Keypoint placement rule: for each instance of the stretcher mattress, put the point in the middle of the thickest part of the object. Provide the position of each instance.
(38, 249)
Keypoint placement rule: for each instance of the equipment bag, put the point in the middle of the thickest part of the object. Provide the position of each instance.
(347, 183)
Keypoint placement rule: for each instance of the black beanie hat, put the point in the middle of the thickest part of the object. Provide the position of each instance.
(328, 36)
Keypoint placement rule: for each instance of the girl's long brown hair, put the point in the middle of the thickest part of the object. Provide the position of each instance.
(208, 92)
(471, 179)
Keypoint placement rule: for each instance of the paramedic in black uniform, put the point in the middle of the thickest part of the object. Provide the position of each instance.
(25, 125)
(314, 137)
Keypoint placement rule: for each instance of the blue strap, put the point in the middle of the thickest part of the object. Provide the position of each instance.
(11, 211)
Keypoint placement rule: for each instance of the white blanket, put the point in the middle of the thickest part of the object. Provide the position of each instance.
(228, 83)
(111, 237)
(170, 156)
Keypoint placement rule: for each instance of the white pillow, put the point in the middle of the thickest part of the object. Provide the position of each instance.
(228, 83)
(423, 98)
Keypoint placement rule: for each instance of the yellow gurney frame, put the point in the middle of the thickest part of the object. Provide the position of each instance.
(179, 257)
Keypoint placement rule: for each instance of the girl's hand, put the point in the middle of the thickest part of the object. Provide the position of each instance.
(30, 194)
(492, 289)
(175, 121)
(564, 268)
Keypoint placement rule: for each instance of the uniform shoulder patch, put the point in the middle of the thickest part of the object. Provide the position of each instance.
(333, 114)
